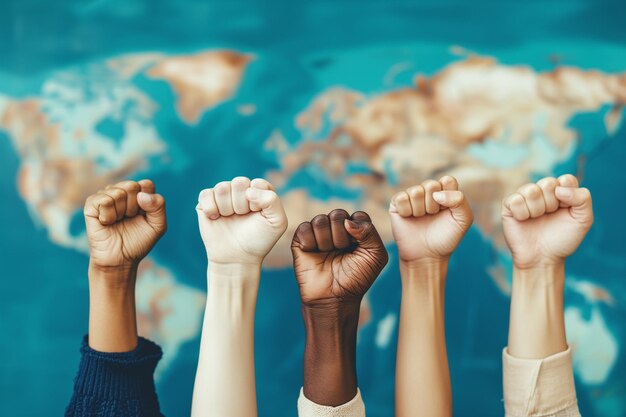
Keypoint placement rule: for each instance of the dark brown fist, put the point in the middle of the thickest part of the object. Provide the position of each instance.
(337, 257)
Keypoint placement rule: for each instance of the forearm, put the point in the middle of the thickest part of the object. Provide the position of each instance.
(422, 375)
(537, 328)
(112, 315)
(330, 353)
(225, 380)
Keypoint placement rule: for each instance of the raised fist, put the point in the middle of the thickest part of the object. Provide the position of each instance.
(337, 257)
(124, 221)
(429, 220)
(240, 220)
(545, 222)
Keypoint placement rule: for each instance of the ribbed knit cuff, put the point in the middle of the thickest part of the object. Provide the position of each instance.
(118, 376)
(354, 408)
(539, 387)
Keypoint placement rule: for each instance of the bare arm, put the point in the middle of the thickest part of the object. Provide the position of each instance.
(337, 257)
(428, 222)
(240, 221)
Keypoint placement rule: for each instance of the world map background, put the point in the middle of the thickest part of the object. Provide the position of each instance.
(327, 101)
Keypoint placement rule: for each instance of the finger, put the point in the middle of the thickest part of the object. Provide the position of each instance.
(154, 207)
(119, 197)
(517, 206)
(269, 204)
(449, 183)
(238, 186)
(304, 238)
(223, 198)
(360, 216)
(321, 230)
(147, 186)
(400, 204)
(533, 195)
(261, 184)
(106, 208)
(567, 180)
(365, 234)
(91, 207)
(578, 200)
(548, 186)
(431, 186)
(131, 188)
(416, 197)
(458, 205)
(341, 238)
(207, 204)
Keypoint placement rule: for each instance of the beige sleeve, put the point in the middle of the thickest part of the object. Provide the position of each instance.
(539, 387)
(354, 408)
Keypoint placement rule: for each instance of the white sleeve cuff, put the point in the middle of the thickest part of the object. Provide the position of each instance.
(353, 408)
(539, 387)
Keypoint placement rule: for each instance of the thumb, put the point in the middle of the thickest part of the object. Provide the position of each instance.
(458, 205)
(365, 234)
(269, 204)
(579, 202)
(154, 206)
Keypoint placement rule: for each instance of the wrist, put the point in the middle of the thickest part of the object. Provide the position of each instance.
(326, 317)
(237, 275)
(541, 264)
(427, 269)
(112, 278)
(544, 273)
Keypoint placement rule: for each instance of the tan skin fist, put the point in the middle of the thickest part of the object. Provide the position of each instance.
(337, 257)
(545, 222)
(123, 221)
(429, 220)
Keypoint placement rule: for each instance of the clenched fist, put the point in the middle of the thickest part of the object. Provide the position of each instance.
(240, 220)
(337, 257)
(545, 222)
(123, 222)
(429, 220)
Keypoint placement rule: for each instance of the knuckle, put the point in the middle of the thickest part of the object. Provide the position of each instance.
(320, 220)
(415, 191)
(547, 182)
(222, 187)
(431, 184)
(338, 214)
(400, 196)
(240, 181)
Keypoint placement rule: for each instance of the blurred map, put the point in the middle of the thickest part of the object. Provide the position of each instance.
(343, 125)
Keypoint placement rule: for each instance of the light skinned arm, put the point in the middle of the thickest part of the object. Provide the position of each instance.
(337, 257)
(428, 222)
(240, 221)
(544, 223)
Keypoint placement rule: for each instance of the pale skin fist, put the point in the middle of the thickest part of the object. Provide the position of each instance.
(240, 220)
(429, 220)
(545, 222)
(124, 221)
(337, 257)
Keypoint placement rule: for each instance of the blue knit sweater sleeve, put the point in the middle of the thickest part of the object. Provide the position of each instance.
(116, 384)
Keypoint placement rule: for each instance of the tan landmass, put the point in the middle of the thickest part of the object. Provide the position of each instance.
(464, 121)
(58, 169)
(203, 80)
